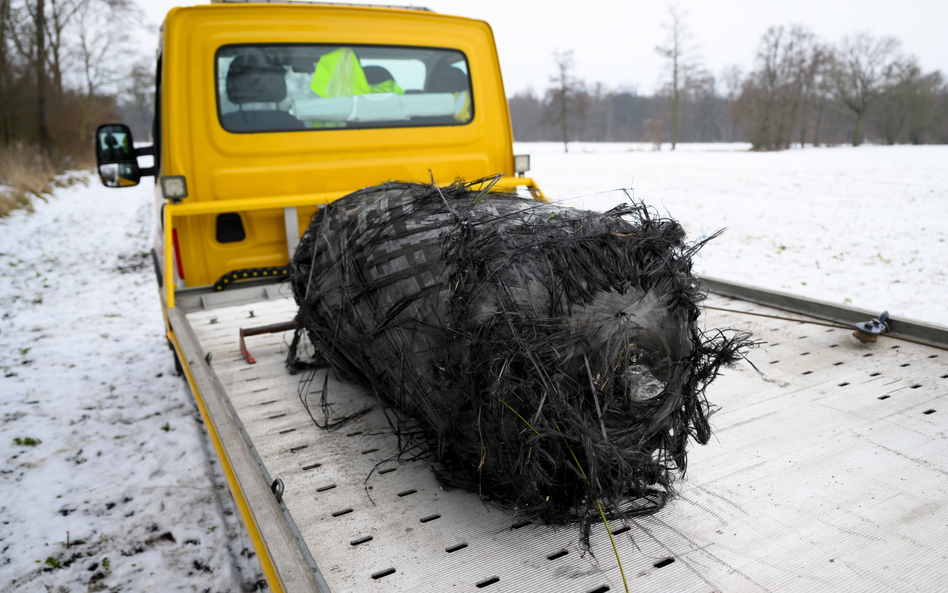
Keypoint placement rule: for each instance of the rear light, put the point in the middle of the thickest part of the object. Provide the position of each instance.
(177, 253)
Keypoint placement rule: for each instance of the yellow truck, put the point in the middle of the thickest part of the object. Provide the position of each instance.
(266, 111)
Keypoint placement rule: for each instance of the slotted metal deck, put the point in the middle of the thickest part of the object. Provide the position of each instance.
(826, 473)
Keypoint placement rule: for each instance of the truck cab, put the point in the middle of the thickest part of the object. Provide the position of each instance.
(266, 111)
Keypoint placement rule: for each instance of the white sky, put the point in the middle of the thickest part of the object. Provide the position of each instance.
(614, 41)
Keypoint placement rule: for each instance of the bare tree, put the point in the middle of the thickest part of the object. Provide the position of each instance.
(923, 98)
(822, 98)
(814, 68)
(597, 123)
(40, 65)
(701, 109)
(138, 98)
(771, 94)
(565, 102)
(679, 63)
(46, 108)
(19, 107)
(101, 49)
(731, 79)
(7, 79)
(861, 71)
(891, 111)
(61, 14)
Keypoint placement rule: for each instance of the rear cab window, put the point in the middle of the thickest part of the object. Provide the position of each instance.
(283, 87)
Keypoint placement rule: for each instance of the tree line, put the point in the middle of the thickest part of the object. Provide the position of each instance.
(802, 90)
(65, 67)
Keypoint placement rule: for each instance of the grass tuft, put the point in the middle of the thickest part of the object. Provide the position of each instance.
(26, 441)
(25, 174)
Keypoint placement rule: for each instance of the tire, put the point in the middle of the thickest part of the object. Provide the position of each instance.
(178, 369)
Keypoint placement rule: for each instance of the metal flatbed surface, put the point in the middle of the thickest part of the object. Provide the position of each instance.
(826, 473)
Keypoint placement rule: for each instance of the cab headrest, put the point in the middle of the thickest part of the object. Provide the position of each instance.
(253, 78)
(377, 74)
(447, 79)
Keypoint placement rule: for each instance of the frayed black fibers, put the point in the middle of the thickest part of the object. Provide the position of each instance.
(551, 356)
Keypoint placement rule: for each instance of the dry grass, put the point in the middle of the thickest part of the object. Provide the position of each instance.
(24, 175)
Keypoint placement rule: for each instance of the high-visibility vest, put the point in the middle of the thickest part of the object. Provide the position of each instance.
(387, 86)
(462, 113)
(339, 74)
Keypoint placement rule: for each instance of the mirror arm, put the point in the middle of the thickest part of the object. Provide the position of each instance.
(147, 171)
(145, 150)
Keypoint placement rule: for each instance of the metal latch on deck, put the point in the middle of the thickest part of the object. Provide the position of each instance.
(868, 331)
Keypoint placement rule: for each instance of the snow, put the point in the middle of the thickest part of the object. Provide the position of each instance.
(124, 469)
(865, 227)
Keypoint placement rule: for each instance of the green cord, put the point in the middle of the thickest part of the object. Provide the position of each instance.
(602, 513)
(525, 422)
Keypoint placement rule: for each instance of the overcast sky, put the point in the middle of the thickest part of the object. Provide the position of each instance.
(614, 41)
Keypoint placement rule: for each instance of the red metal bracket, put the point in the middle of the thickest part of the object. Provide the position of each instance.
(263, 329)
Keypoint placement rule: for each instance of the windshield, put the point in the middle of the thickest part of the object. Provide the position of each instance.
(272, 88)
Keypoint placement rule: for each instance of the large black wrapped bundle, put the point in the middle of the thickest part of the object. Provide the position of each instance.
(551, 357)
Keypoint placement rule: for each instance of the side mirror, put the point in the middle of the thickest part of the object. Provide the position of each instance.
(116, 157)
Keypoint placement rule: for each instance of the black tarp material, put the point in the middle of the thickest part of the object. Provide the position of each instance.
(551, 357)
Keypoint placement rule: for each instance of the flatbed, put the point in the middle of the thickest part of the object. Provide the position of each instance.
(826, 470)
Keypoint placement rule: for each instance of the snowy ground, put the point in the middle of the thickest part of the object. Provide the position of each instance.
(863, 226)
(120, 490)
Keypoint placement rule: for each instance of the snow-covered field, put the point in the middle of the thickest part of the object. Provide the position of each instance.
(107, 481)
(866, 226)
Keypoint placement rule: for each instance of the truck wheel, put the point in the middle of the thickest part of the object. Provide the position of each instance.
(178, 369)
(154, 261)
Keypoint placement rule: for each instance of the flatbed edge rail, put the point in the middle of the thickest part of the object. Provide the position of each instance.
(925, 333)
(281, 559)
